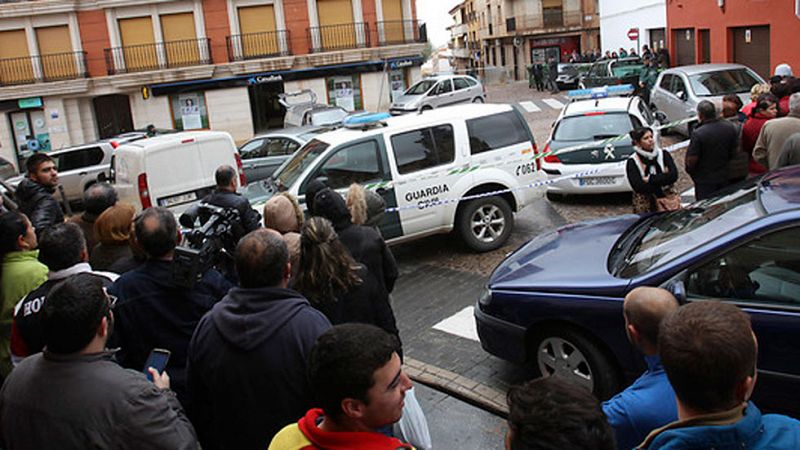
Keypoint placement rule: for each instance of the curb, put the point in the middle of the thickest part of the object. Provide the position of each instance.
(457, 386)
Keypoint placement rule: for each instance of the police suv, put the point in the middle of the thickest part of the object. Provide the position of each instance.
(467, 167)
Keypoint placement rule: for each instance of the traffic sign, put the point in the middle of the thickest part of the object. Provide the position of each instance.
(633, 34)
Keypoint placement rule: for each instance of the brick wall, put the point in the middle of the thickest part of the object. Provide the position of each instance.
(217, 28)
(297, 22)
(94, 38)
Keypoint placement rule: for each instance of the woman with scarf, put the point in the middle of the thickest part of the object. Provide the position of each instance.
(651, 173)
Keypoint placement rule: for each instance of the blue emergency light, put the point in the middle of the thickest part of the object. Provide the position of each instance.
(601, 92)
(364, 120)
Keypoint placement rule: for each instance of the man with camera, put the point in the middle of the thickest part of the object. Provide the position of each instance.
(225, 196)
(155, 311)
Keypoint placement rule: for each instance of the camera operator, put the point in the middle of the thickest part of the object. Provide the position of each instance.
(153, 311)
(225, 196)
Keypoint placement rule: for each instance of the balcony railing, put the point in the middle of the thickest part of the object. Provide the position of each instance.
(158, 56)
(395, 32)
(338, 37)
(258, 45)
(42, 68)
(549, 19)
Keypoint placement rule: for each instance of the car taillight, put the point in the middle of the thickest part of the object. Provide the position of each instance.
(550, 158)
(536, 155)
(240, 168)
(144, 191)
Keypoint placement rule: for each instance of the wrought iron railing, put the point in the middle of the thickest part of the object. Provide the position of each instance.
(42, 68)
(258, 45)
(161, 55)
(395, 32)
(338, 37)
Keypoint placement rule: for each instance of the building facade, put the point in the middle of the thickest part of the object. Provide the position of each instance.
(756, 33)
(617, 17)
(73, 71)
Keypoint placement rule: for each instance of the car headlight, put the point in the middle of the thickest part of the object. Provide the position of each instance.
(486, 296)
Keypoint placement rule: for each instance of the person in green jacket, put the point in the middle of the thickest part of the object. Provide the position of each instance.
(647, 79)
(21, 273)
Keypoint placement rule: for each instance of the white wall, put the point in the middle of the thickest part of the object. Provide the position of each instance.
(375, 87)
(154, 110)
(619, 16)
(7, 150)
(229, 110)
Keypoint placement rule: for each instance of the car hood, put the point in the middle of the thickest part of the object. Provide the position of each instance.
(403, 99)
(572, 259)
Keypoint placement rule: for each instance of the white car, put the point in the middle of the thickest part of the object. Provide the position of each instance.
(434, 167)
(583, 122)
(438, 91)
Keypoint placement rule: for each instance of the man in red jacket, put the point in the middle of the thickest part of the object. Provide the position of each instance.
(355, 377)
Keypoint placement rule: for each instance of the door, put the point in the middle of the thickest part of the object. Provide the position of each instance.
(113, 115)
(442, 94)
(658, 39)
(393, 27)
(751, 48)
(336, 24)
(257, 27)
(762, 277)
(265, 108)
(138, 49)
(15, 61)
(462, 91)
(684, 47)
(55, 48)
(705, 46)
(180, 39)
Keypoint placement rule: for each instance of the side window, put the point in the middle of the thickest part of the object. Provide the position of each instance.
(444, 87)
(421, 149)
(595, 70)
(471, 82)
(357, 163)
(765, 270)
(80, 158)
(666, 80)
(460, 83)
(678, 85)
(252, 149)
(289, 146)
(496, 131)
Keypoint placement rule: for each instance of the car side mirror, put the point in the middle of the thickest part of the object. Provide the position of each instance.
(660, 117)
(678, 290)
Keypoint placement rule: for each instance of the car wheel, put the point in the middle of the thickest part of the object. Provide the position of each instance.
(426, 108)
(574, 357)
(485, 223)
(477, 100)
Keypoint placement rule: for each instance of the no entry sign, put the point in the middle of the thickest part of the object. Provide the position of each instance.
(633, 34)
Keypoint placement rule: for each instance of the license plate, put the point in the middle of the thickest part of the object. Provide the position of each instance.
(597, 181)
(178, 199)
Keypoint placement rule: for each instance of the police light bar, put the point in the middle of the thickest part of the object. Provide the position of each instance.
(601, 92)
(365, 120)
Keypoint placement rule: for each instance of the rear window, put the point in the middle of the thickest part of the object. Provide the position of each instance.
(421, 149)
(588, 128)
(496, 131)
(79, 159)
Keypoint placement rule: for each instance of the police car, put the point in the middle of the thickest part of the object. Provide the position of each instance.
(590, 138)
(465, 167)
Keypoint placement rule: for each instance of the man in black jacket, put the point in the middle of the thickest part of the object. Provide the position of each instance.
(73, 395)
(153, 310)
(35, 193)
(712, 145)
(225, 196)
(248, 357)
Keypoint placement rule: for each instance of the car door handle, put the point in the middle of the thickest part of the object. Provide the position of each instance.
(83, 173)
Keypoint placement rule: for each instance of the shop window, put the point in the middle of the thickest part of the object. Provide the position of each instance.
(345, 92)
(189, 111)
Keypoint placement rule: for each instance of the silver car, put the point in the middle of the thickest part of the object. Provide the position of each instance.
(263, 154)
(303, 110)
(438, 91)
(678, 90)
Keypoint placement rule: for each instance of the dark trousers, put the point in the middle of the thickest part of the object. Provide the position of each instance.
(705, 190)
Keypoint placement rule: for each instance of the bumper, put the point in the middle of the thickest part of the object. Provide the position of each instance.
(611, 179)
(500, 338)
(400, 111)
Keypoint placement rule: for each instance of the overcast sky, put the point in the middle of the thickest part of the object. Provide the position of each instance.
(434, 14)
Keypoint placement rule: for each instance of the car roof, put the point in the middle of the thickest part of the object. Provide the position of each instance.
(610, 104)
(704, 68)
(410, 121)
(173, 138)
(444, 77)
(291, 131)
(780, 190)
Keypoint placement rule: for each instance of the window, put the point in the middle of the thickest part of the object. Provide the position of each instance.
(496, 131)
(281, 146)
(678, 86)
(443, 87)
(79, 159)
(421, 149)
(471, 82)
(723, 82)
(252, 149)
(189, 111)
(665, 83)
(357, 163)
(765, 270)
(592, 127)
(345, 92)
(460, 83)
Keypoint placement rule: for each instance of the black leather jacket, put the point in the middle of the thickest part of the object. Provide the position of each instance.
(250, 219)
(37, 202)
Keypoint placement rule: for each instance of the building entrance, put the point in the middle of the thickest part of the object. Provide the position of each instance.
(113, 115)
(267, 112)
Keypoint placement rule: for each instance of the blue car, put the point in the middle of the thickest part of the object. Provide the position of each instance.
(556, 302)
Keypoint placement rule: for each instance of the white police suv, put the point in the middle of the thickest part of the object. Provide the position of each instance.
(466, 167)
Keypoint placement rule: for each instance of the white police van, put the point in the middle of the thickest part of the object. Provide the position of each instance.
(436, 170)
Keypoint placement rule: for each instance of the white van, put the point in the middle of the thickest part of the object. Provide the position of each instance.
(173, 170)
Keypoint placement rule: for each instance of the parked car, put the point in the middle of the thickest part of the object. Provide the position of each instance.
(569, 74)
(418, 161)
(583, 122)
(302, 112)
(438, 91)
(266, 152)
(741, 246)
(608, 72)
(678, 90)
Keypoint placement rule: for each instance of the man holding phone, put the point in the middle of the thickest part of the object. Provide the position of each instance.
(73, 395)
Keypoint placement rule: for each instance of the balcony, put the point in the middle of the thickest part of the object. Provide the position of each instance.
(397, 32)
(43, 68)
(461, 53)
(242, 47)
(338, 37)
(458, 30)
(550, 19)
(158, 56)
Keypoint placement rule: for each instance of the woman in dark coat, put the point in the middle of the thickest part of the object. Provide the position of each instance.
(651, 171)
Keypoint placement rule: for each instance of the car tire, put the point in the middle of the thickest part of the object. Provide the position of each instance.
(485, 223)
(572, 355)
(555, 197)
(477, 100)
(426, 108)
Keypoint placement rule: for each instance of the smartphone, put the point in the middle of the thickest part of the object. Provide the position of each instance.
(158, 360)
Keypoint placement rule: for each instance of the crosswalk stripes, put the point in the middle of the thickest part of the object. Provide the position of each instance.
(529, 106)
(553, 103)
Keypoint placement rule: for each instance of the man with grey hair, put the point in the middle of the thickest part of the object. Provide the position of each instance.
(96, 199)
(775, 133)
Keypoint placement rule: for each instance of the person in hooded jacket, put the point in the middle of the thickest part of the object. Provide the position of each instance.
(365, 244)
(248, 356)
(35, 193)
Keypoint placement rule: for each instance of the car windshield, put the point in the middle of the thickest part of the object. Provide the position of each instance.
(288, 173)
(308, 135)
(328, 116)
(421, 87)
(591, 127)
(662, 238)
(723, 82)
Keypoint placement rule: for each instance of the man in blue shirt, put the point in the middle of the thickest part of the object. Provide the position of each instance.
(649, 402)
